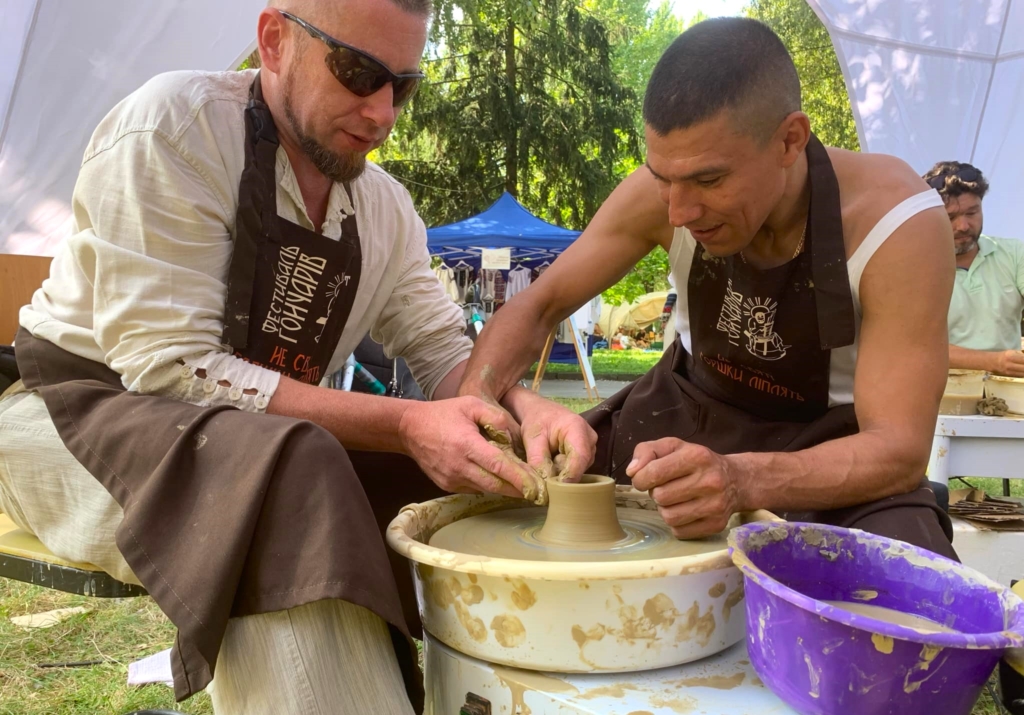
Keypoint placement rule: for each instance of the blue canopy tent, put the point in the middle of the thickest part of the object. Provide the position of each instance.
(506, 224)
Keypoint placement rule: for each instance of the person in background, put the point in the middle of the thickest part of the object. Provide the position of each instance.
(988, 296)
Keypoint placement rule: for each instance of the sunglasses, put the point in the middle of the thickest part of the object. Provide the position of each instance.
(360, 73)
(968, 176)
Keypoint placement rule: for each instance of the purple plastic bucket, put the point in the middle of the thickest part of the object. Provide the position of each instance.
(824, 660)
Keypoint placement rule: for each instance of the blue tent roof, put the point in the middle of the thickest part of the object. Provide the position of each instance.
(506, 224)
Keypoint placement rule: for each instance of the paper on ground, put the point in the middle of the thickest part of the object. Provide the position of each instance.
(152, 669)
(47, 619)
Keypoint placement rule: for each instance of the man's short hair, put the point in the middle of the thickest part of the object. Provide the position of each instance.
(416, 7)
(730, 63)
(955, 178)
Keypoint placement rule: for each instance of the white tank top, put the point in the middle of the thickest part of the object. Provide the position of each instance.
(844, 360)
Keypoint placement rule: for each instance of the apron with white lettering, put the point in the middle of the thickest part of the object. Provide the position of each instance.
(290, 290)
(762, 339)
(229, 513)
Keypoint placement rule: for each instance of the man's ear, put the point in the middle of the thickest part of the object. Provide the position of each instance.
(270, 39)
(792, 137)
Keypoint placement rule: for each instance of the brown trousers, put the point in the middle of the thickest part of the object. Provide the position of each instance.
(664, 403)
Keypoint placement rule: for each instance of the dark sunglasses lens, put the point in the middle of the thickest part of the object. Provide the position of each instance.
(358, 74)
(968, 175)
(404, 89)
(937, 182)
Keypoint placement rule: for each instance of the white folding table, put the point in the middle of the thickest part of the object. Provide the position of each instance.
(977, 446)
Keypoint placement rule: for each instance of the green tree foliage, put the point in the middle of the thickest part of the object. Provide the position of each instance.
(650, 275)
(824, 90)
(521, 96)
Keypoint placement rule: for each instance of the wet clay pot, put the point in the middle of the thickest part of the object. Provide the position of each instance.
(823, 660)
(569, 617)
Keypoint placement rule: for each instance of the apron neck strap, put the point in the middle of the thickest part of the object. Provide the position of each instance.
(259, 113)
(833, 297)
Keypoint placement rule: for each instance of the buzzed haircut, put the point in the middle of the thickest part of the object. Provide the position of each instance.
(415, 7)
(956, 178)
(731, 63)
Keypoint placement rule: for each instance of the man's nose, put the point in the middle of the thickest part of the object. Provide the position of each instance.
(683, 206)
(380, 108)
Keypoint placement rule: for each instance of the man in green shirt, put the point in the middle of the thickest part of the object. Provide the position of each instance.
(988, 296)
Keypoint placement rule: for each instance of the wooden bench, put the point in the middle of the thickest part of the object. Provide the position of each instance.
(22, 556)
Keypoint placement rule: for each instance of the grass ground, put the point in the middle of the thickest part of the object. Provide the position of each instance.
(118, 632)
(114, 632)
(623, 363)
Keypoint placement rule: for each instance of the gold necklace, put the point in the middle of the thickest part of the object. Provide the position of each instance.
(799, 246)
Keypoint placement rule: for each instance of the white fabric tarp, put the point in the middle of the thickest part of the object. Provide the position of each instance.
(64, 65)
(929, 80)
(642, 313)
(939, 80)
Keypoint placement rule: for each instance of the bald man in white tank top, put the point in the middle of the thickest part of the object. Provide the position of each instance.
(813, 288)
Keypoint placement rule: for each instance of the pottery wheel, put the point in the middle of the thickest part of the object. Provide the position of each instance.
(581, 523)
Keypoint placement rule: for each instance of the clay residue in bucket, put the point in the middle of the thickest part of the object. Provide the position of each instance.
(883, 644)
(759, 539)
(864, 595)
(918, 623)
(718, 590)
(508, 631)
(928, 655)
(815, 678)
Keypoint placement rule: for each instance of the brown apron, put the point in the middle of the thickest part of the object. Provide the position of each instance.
(230, 513)
(758, 377)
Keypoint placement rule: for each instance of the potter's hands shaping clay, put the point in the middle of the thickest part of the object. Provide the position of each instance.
(445, 439)
(533, 485)
(695, 489)
(559, 443)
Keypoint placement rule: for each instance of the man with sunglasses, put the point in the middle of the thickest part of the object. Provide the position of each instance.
(232, 246)
(811, 358)
(988, 295)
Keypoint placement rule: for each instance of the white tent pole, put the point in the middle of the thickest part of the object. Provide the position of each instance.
(844, 65)
(991, 79)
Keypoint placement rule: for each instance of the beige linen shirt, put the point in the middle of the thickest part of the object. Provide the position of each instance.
(141, 284)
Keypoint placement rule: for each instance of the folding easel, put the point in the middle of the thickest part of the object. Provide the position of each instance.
(581, 355)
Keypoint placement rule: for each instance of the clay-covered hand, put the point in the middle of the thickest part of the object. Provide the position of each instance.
(1009, 363)
(559, 443)
(696, 490)
(445, 439)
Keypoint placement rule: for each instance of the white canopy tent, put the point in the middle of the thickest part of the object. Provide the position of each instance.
(64, 65)
(929, 79)
(938, 80)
